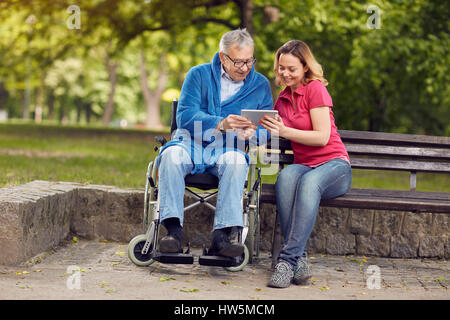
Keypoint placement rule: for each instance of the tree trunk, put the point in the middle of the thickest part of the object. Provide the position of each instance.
(88, 110)
(3, 96)
(38, 111)
(109, 108)
(247, 7)
(51, 104)
(153, 97)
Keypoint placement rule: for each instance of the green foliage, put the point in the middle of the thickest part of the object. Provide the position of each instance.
(395, 78)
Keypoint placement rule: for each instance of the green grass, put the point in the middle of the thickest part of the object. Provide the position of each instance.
(120, 157)
(86, 155)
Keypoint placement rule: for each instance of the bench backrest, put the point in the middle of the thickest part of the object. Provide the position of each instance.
(383, 151)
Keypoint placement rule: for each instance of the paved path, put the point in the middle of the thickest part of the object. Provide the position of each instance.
(106, 273)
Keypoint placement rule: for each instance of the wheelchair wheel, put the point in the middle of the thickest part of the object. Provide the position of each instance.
(243, 260)
(135, 251)
(253, 236)
(252, 240)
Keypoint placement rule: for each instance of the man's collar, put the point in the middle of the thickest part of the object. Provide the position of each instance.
(225, 75)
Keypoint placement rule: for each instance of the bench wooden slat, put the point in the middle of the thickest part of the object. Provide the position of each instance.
(375, 164)
(422, 153)
(397, 204)
(398, 200)
(407, 194)
(397, 139)
(373, 138)
(400, 165)
(278, 158)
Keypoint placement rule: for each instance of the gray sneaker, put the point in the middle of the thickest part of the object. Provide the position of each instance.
(282, 276)
(302, 272)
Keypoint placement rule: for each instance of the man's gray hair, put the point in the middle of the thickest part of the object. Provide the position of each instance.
(239, 37)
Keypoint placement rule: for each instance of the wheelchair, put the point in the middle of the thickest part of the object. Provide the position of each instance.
(143, 248)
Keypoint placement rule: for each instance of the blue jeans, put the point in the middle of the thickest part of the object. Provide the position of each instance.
(299, 189)
(231, 168)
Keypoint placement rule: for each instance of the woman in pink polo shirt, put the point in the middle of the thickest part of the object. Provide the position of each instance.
(321, 168)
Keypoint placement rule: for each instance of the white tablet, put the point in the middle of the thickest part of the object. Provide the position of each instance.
(255, 115)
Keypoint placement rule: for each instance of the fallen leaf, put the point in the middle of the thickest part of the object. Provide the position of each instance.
(339, 269)
(120, 253)
(111, 291)
(225, 282)
(25, 287)
(166, 278)
(189, 290)
(440, 279)
(324, 288)
(37, 270)
(103, 284)
(64, 275)
(74, 240)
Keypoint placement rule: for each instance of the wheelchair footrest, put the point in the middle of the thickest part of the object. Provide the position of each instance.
(216, 261)
(178, 258)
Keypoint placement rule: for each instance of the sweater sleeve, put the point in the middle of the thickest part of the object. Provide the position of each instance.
(190, 109)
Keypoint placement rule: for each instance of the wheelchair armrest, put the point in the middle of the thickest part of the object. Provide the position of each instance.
(161, 140)
(258, 181)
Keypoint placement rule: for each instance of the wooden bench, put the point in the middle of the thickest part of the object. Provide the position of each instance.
(379, 151)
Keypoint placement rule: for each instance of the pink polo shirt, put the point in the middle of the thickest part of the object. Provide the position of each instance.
(313, 95)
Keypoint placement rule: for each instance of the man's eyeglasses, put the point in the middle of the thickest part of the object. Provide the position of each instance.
(240, 63)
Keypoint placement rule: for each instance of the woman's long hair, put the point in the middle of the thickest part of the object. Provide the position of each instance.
(300, 50)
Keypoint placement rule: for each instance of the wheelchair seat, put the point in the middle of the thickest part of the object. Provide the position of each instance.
(202, 181)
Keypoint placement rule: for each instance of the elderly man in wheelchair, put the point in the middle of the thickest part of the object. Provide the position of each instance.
(207, 151)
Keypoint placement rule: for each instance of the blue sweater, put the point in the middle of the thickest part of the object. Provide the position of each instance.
(200, 110)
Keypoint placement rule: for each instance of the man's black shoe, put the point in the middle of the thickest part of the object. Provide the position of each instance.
(223, 246)
(170, 244)
(173, 242)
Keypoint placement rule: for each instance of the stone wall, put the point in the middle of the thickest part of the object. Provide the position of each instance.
(342, 231)
(37, 216)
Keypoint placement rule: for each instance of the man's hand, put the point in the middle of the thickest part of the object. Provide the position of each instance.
(245, 128)
(234, 122)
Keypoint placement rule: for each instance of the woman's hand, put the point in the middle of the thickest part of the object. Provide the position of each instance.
(274, 126)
